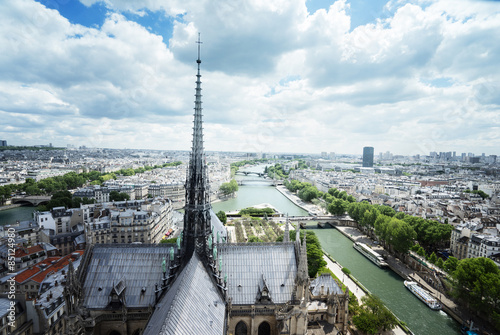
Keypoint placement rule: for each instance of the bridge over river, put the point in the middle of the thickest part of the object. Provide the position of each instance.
(269, 182)
(32, 200)
(246, 173)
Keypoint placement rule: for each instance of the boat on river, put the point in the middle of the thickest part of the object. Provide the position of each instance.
(422, 294)
(370, 254)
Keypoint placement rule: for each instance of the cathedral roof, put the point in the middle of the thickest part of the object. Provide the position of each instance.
(246, 265)
(135, 269)
(192, 305)
(323, 284)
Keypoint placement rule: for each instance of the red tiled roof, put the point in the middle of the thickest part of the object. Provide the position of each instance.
(31, 250)
(38, 274)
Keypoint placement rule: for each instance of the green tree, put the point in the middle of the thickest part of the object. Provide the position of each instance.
(440, 263)
(421, 251)
(369, 217)
(373, 316)
(118, 196)
(222, 217)
(433, 258)
(350, 198)
(169, 240)
(402, 235)
(308, 193)
(477, 283)
(386, 210)
(229, 188)
(337, 207)
(450, 265)
(400, 215)
(254, 239)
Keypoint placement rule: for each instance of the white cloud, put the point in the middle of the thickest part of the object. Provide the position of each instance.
(275, 77)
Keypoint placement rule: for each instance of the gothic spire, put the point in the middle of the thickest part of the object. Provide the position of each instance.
(286, 236)
(197, 209)
(303, 272)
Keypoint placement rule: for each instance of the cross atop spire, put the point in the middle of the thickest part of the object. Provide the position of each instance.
(199, 45)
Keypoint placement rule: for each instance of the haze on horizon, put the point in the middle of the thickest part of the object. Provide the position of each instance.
(300, 76)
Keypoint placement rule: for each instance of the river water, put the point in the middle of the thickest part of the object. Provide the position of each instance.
(256, 193)
(10, 216)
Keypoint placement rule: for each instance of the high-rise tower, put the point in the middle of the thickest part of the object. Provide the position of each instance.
(197, 209)
(368, 157)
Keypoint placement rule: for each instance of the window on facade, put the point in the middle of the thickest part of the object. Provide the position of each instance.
(264, 328)
(241, 328)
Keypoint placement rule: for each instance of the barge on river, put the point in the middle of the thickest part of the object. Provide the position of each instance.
(370, 254)
(422, 294)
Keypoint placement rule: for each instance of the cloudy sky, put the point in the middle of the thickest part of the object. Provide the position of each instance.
(308, 76)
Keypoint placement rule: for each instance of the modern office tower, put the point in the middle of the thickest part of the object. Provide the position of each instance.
(368, 157)
(3, 143)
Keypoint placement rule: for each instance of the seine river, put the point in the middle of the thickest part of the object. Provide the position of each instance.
(10, 216)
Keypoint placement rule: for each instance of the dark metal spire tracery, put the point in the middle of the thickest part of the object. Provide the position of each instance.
(197, 227)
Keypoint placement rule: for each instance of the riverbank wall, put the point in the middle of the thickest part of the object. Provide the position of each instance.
(293, 199)
(4, 208)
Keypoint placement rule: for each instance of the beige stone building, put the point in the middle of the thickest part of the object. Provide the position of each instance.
(141, 221)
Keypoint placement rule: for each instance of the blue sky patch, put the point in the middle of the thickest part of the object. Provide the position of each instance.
(157, 22)
(361, 11)
(77, 13)
(438, 82)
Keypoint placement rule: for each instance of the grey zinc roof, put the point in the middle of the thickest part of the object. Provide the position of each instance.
(4, 307)
(137, 265)
(328, 283)
(192, 305)
(246, 264)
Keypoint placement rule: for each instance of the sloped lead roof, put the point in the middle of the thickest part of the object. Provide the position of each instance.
(328, 283)
(245, 264)
(192, 305)
(138, 266)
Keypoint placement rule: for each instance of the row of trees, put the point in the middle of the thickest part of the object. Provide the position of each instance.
(337, 201)
(306, 191)
(479, 192)
(69, 181)
(400, 230)
(64, 199)
(252, 211)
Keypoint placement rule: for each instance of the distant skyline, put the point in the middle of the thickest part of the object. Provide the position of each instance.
(296, 76)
